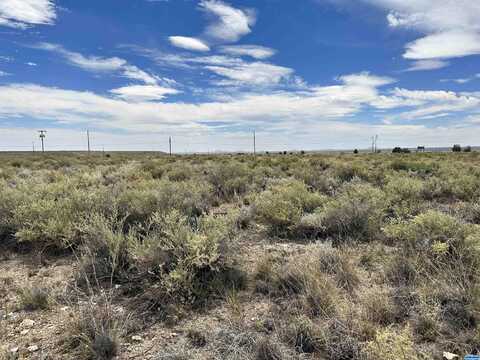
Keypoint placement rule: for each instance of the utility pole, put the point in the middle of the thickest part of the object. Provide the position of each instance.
(170, 145)
(33, 146)
(254, 144)
(42, 137)
(376, 139)
(88, 141)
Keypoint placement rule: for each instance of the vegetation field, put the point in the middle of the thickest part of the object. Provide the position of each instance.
(146, 256)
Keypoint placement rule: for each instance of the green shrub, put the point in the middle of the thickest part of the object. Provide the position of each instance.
(433, 233)
(190, 263)
(282, 206)
(348, 171)
(105, 251)
(10, 198)
(357, 212)
(229, 179)
(51, 216)
(391, 344)
(192, 198)
(405, 195)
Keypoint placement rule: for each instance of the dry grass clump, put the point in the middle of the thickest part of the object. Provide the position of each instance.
(301, 277)
(266, 349)
(304, 335)
(95, 331)
(338, 262)
(34, 298)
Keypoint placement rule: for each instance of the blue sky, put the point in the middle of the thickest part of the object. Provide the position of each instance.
(304, 74)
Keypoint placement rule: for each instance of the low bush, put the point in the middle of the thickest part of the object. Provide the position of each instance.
(229, 179)
(405, 196)
(357, 212)
(282, 206)
(391, 344)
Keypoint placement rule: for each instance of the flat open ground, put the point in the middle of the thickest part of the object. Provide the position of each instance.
(146, 256)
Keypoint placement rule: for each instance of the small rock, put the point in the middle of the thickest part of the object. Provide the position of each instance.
(24, 332)
(449, 356)
(65, 308)
(137, 338)
(32, 348)
(27, 323)
(14, 350)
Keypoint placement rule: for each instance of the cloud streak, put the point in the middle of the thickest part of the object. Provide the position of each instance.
(21, 14)
(100, 64)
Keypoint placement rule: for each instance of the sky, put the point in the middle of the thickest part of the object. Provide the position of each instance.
(302, 74)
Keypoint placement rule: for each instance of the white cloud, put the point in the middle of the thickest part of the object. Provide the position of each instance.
(256, 73)
(255, 51)
(432, 64)
(450, 27)
(30, 63)
(24, 13)
(72, 107)
(140, 93)
(189, 43)
(237, 71)
(89, 63)
(134, 73)
(444, 45)
(229, 24)
(3, 73)
(311, 115)
(366, 79)
(101, 64)
(434, 104)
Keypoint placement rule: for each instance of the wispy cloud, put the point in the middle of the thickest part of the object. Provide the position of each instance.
(22, 14)
(462, 80)
(100, 64)
(256, 73)
(140, 93)
(432, 64)
(254, 51)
